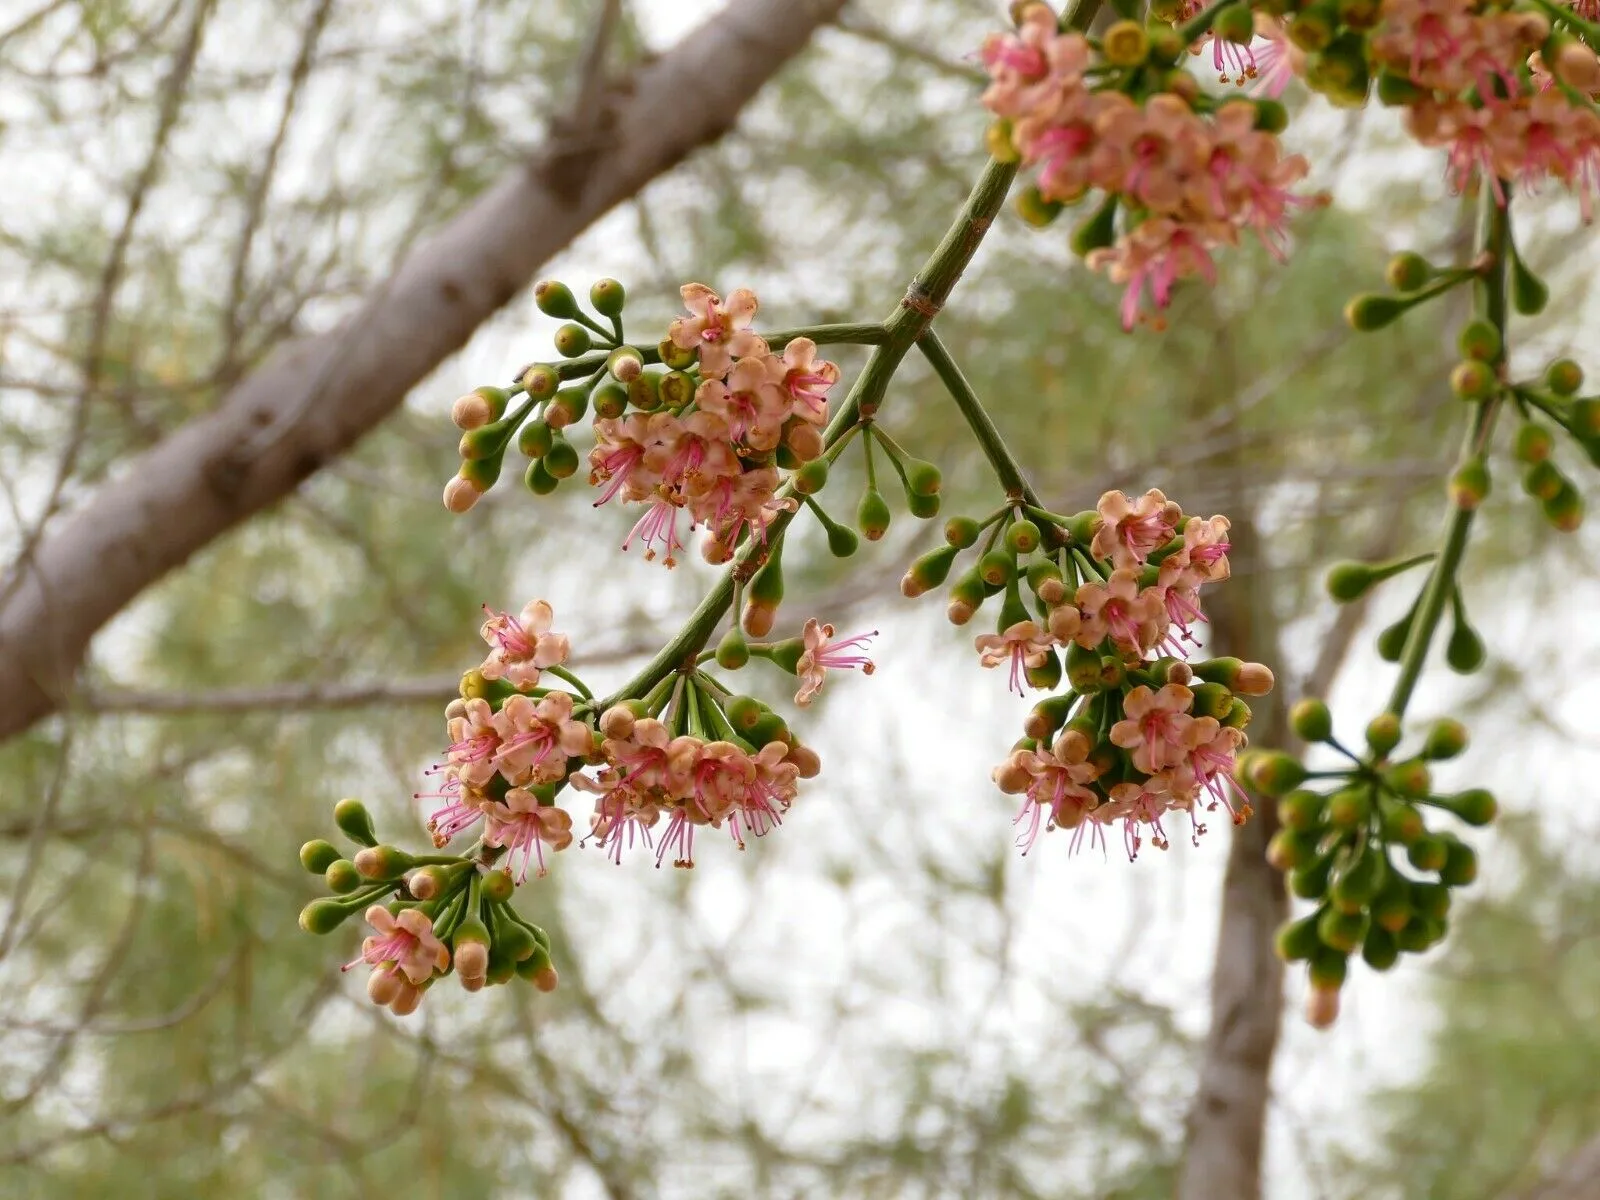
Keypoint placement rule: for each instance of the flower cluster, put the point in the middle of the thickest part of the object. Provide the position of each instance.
(1188, 174)
(1140, 733)
(714, 452)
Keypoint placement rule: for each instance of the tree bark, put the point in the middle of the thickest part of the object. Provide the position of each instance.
(316, 397)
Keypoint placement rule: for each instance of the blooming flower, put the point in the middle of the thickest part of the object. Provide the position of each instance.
(1118, 609)
(823, 654)
(719, 331)
(807, 379)
(1131, 530)
(474, 741)
(404, 944)
(1053, 785)
(1024, 644)
(522, 646)
(1154, 726)
(524, 826)
(537, 738)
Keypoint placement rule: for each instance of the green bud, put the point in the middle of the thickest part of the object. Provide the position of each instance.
(1431, 900)
(1529, 294)
(1314, 26)
(1475, 806)
(1428, 852)
(1096, 230)
(323, 916)
(644, 393)
(486, 441)
(1409, 779)
(1211, 700)
(540, 381)
(1564, 510)
(677, 389)
(1083, 669)
(1302, 811)
(770, 728)
(1380, 951)
(1238, 714)
(510, 938)
(1533, 445)
(1298, 940)
(610, 401)
(1473, 380)
(1348, 581)
(1311, 720)
(1328, 969)
(1370, 310)
(1395, 90)
(1022, 537)
(928, 571)
(1392, 909)
(1343, 931)
(1392, 639)
(1460, 864)
(842, 540)
(383, 862)
(555, 299)
(1465, 651)
(1234, 24)
(961, 532)
(608, 297)
(1402, 823)
(1271, 115)
(1584, 417)
(1043, 571)
(561, 460)
(1274, 773)
(355, 822)
(967, 595)
(1350, 808)
(997, 568)
(1407, 271)
(1383, 733)
(1446, 739)
(812, 477)
(923, 478)
(538, 480)
(1564, 377)
(625, 364)
(342, 876)
(1416, 936)
(482, 473)
(1469, 486)
(567, 408)
(872, 515)
(1288, 848)
(318, 855)
(498, 886)
(733, 651)
(1310, 882)
(1033, 208)
(924, 508)
(743, 712)
(1358, 883)
(766, 587)
(1479, 341)
(1047, 675)
(535, 439)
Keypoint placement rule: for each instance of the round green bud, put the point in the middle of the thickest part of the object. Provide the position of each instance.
(872, 515)
(1311, 720)
(1033, 208)
(608, 297)
(842, 541)
(1392, 909)
(1314, 26)
(1379, 951)
(1271, 115)
(1310, 882)
(1465, 651)
(644, 393)
(924, 508)
(1290, 849)
(355, 822)
(1342, 931)
(383, 862)
(1275, 773)
(540, 381)
(323, 916)
(1584, 417)
(486, 441)
(318, 855)
(1446, 739)
(1301, 810)
(1431, 900)
(1533, 445)
(342, 877)
(733, 651)
(1563, 377)
(534, 439)
(1349, 581)
(1564, 510)
(1408, 271)
(770, 728)
(573, 340)
(1409, 779)
(1095, 231)
(1349, 808)
(1391, 640)
(812, 477)
(1328, 968)
(1469, 486)
(923, 478)
(1402, 823)
(1475, 806)
(561, 460)
(1428, 853)
(1479, 342)
(538, 480)
(1383, 733)
(1473, 380)
(1211, 700)
(610, 401)
(1238, 714)
(743, 712)
(1372, 311)
(967, 595)
(1022, 537)
(1047, 675)
(997, 567)
(1298, 940)
(555, 299)
(1124, 44)
(961, 532)
(1460, 865)
(1416, 936)
(1529, 294)
(1359, 881)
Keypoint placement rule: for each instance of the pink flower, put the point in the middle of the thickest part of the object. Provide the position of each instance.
(525, 826)
(1130, 531)
(727, 503)
(822, 654)
(719, 331)
(1154, 726)
(1053, 784)
(1156, 253)
(405, 943)
(617, 459)
(766, 795)
(1024, 644)
(807, 379)
(463, 807)
(658, 526)
(522, 647)
(1118, 609)
(474, 741)
(1278, 60)
(537, 738)
(622, 812)
(753, 406)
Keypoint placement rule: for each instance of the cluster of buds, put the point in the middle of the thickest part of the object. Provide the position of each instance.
(432, 916)
(1360, 848)
(1186, 171)
(1139, 732)
(691, 753)
(1480, 378)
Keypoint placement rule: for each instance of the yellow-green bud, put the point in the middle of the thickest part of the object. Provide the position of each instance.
(555, 299)
(1311, 720)
(1383, 733)
(608, 297)
(355, 822)
(1446, 739)
(1349, 808)
(872, 515)
(1407, 271)
(1479, 341)
(342, 876)
(318, 855)
(1533, 444)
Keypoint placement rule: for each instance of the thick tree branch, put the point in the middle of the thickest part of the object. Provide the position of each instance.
(317, 397)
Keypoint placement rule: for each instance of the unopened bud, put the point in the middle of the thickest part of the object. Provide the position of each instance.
(806, 760)
(342, 875)
(608, 297)
(1370, 311)
(1575, 65)
(1479, 341)
(555, 299)
(540, 381)
(318, 855)
(1446, 739)
(811, 478)
(384, 986)
(1409, 779)
(1311, 720)
(1125, 43)
(1301, 810)
(1564, 510)
(460, 495)
(383, 862)
(323, 916)
(471, 411)
(961, 532)
(1408, 271)
(610, 401)
(1473, 380)
(1469, 486)
(1322, 1007)
(872, 515)
(1275, 773)
(625, 364)
(355, 822)
(1533, 445)
(1253, 679)
(1349, 808)
(472, 965)
(1383, 733)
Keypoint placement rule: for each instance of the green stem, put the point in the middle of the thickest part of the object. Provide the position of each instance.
(562, 673)
(1006, 468)
(1489, 303)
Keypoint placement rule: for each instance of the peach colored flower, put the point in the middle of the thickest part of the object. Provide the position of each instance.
(806, 379)
(1118, 609)
(823, 654)
(537, 738)
(522, 646)
(1131, 530)
(404, 943)
(1024, 644)
(524, 826)
(1154, 726)
(719, 331)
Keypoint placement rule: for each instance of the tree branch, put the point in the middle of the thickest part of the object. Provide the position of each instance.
(317, 397)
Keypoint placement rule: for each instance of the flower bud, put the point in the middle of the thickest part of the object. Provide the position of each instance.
(1431, 900)
(1383, 733)
(355, 822)
(805, 758)
(384, 986)
(1033, 208)
(872, 515)
(1533, 445)
(561, 460)
(1576, 66)
(1479, 341)
(1022, 537)
(538, 480)
(928, 571)
(1402, 822)
(1407, 271)
(426, 883)
(1469, 486)
(1047, 716)
(383, 862)
(1047, 675)
(1529, 294)
(1302, 810)
(323, 916)
(967, 595)
(961, 532)
(1311, 720)
(1348, 581)
(540, 381)
(1313, 26)
(342, 876)
(811, 478)
(997, 568)
(1564, 377)
(1564, 510)
(478, 408)
(535, 439)
(732, 651)
(1473, 380)
(1343, 931)
(923, 478)
(1238, 715)
(567, 408)
(555, 299)
(763, 597)
(1096, 231)
(1371, 311)
(1288, 849)
(1357, 882)
(923, 507)
(1275, 773)
(610, 401)
(1392, 909)
(1460, 864)
(318, 855)
(1584, 418)
(1397, 90)
(1379, 951)
(644, 393)
(1298, 940)
(1310, 880)
(1349, 808)
(1254, 679)
(1446, 739)
(1475, 806)
(460, 494)
(1210, 699)
(471, 962)
(1427, 853)
(1465, 651)
(608, 297)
